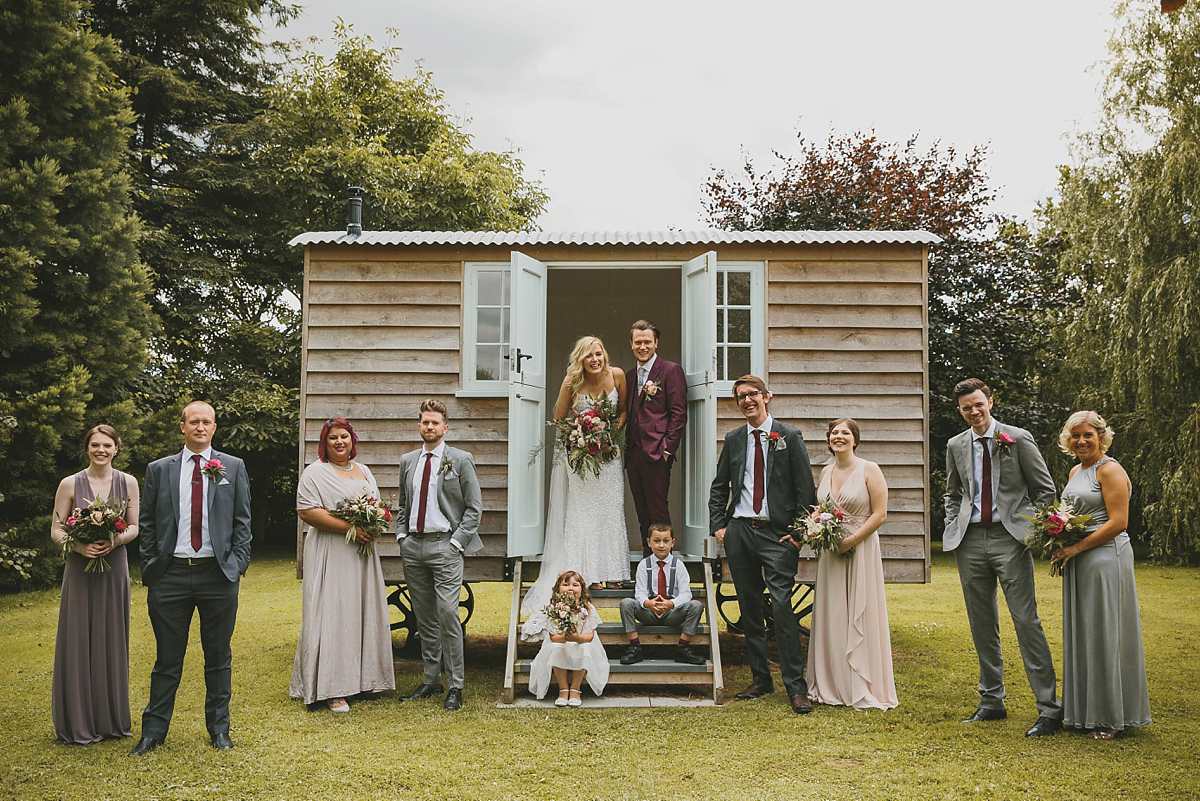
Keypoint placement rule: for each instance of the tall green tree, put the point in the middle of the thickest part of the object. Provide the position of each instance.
(1128, 211)
(991, 279)
(73, 296)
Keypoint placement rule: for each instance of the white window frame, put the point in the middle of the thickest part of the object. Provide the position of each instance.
(473, 387)
(758, 319)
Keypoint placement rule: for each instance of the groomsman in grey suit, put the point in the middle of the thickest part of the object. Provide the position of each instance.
(764, 481)
(440, 509)
(194, 536)
(995, 476)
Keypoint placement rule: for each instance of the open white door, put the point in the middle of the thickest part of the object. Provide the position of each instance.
(526, 407)
(699, 452)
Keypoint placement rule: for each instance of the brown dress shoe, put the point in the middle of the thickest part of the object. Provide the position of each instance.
(801, 705)
(752, 692)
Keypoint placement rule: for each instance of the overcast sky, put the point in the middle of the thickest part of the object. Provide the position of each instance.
(623, 109)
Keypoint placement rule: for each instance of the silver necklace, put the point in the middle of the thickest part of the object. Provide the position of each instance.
(349, 466)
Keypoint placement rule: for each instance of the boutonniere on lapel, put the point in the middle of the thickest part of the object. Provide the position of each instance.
(776, 442)
(213, 469)
(1000, 447)
(649, 390)
(446, 466)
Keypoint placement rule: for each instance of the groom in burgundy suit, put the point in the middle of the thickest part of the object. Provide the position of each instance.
(657, 403)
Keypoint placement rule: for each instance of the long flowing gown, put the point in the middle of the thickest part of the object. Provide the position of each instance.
(345, 645)
(90, 688)
(1104, 668)
(589, 656)
(585, 525)
(850, 650)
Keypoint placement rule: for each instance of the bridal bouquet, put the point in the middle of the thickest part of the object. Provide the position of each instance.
(100, 521)
(590, 438)
(566, 613)
(822, 529)
(1055, 525)
(365, 511)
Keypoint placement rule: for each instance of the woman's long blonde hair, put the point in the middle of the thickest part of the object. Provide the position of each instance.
(583, 346)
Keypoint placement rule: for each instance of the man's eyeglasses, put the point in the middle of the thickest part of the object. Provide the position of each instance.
(753, 393)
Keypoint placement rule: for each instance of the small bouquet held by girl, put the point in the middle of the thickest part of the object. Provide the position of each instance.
(590, 438)
(1055, 525)
(100, 521)
(566, 613)
(822, 529)
(367, 512)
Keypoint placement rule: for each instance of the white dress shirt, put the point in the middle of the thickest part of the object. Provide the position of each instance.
(183, 537)
(643, 372)
(745, 504)
(435, 521)
(679, 583)
(977, 469)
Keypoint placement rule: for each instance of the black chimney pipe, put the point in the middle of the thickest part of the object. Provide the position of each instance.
(354, 212)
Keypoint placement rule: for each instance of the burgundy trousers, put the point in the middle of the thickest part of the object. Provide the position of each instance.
(649, 482)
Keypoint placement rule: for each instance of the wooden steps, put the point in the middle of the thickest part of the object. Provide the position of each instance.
(650, 671)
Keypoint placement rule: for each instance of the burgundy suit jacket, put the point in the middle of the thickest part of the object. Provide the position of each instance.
(656, 423)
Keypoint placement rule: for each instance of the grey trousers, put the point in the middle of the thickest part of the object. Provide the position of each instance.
(433, 571)
(757, 561)
(985, 557)
(686, 616)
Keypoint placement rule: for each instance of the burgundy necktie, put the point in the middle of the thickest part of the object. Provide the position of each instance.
(759, 469)
(985, 491)
(197, 504)
(662, 579)
(424, 502)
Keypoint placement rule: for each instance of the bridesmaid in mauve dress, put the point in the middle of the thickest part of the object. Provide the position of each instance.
(1104, 667)
(90, 687)
(850, 651)
(345, 646)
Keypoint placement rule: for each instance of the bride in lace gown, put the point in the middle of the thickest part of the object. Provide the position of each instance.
(585, 518)
(850, 652)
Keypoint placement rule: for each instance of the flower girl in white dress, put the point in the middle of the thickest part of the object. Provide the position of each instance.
(570, 657)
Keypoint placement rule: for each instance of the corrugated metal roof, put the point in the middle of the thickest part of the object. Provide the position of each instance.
(704, 237)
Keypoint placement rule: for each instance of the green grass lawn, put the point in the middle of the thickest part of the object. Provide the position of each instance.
(745, 750)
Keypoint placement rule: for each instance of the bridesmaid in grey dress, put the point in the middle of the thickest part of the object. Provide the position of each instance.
(1104, 669)
(345, 646)
(90, 686)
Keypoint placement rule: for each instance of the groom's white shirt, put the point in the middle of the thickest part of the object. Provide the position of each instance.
(183, 541)
(643, 371)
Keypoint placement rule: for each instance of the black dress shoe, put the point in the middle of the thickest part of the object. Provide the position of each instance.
(686, 656)
(453, 699)
(424, 691)
(632, 655)
(987, 714)
(801, 705)
(752, 692)
(1044, 727)
(221, 741)
(146, 745)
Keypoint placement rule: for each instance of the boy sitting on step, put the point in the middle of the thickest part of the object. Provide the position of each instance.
(662, 596)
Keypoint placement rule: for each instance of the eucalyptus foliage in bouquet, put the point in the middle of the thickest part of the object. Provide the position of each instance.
(367, 512)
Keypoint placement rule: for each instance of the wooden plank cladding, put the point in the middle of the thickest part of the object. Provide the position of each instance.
(844, 334)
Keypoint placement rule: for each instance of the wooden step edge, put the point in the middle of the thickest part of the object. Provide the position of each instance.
(654, 666)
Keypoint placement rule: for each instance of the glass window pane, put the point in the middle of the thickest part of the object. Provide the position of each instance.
(720, 325)
(506, 293)
(487, 362)
(720, 364)
(739, 325)
(504, 362)
(721, 288)
(738, 362)
(491, 287)
(489, 326)
(504, 325)
(739, 289)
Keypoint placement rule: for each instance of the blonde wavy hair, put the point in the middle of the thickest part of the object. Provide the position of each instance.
(583, 346)
(1092, 419)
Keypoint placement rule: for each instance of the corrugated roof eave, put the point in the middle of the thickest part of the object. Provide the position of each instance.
(704, 237)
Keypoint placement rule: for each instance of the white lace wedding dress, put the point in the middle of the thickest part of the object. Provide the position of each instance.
(585, 525)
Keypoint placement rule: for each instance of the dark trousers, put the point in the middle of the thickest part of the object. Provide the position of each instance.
(171, 602)
(758, 561)
(649, 482)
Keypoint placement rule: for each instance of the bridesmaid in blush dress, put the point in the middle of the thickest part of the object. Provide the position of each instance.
(850, 651)
(90, 686)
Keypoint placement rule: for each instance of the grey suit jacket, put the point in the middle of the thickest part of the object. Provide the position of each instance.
(458, 494)
(1020, 483)
(228, 516)
(787, 470)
